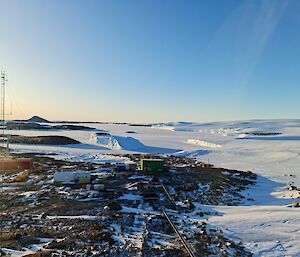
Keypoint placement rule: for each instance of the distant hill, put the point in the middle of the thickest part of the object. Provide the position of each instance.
(72, 127)
(42, 140)
(37, 119)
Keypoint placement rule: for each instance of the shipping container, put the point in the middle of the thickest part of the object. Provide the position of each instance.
(152, 165)
(15, 164)
(65, 177)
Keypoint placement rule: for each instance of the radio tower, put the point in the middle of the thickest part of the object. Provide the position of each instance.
(3, 81)
(3, 84)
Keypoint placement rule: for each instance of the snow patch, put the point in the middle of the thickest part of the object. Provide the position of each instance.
(203, 143)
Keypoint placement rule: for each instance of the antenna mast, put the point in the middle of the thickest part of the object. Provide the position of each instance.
(3, 84)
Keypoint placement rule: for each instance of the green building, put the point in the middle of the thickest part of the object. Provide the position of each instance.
(152, 165)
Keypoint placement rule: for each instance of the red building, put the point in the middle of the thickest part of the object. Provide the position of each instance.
(15, 164)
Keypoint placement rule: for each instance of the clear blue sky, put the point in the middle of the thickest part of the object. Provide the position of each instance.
(151, 61)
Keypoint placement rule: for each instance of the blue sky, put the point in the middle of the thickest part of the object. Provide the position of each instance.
(151, 61)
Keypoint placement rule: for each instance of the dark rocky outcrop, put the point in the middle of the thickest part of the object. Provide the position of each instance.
(103, 134)
(37, 119)
(19, 125)
(42, 140)
(114, 206)
(72, 127)
(26, 126)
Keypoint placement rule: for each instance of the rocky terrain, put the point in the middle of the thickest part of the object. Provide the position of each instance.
(133, 216)
(38, 123)
(18, 125)
(42, 140)
(72, 127)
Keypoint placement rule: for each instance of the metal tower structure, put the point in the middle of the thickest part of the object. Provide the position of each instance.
(3, 84)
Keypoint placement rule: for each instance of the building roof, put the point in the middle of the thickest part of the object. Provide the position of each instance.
(153, 160)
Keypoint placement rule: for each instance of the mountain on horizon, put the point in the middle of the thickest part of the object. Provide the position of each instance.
(38, 119)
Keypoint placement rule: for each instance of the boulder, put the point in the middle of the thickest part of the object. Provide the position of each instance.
(114, 206)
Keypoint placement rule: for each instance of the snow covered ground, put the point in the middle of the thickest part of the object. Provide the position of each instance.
(270, 148)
